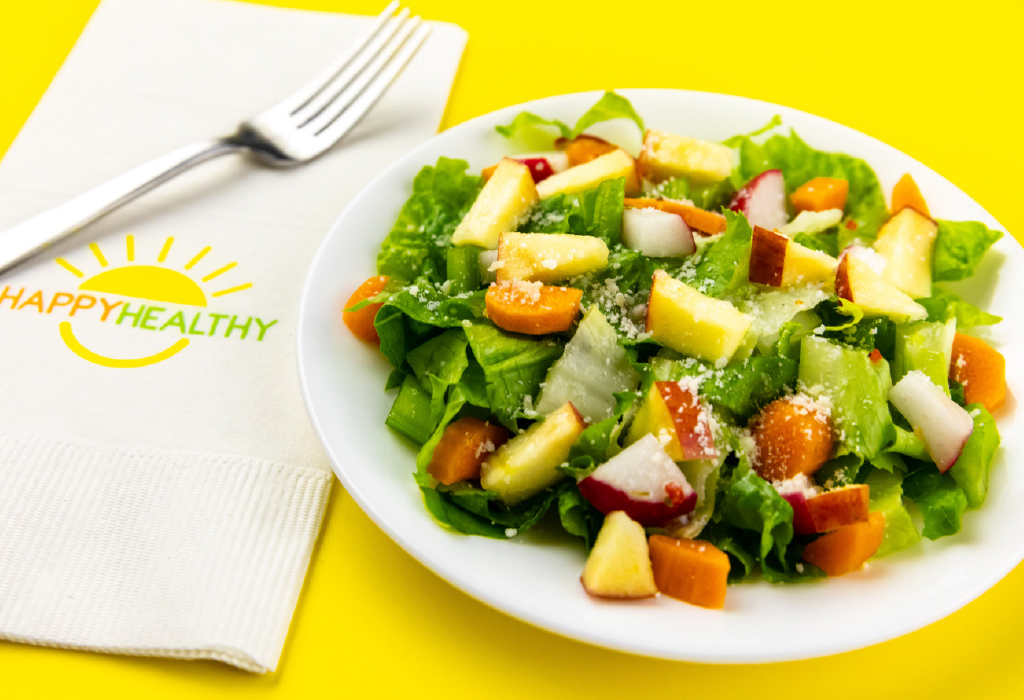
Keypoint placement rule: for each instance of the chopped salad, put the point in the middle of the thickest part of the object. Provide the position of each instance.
(708, 361)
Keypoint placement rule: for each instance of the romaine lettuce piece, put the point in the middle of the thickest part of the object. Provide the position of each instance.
(940, 500)
(463, 271)
(959, 249)
(723, 265)
(971, 471)
(411, 413)
(438, 364)
(927, 347)
(886, 496)
(857, 388)
(441, 196)
(751, 503)
(593, 368)
(594, 212)
(609, 106)
(743, 388)
(513, 366)
(944, 305)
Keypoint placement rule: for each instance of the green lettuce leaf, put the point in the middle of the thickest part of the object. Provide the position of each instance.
(411, 414)
(441, 196)
(609, 106)
(944, 305)
(858, 389)
(414, 314)
(724, 263)
(513, 366)
(710, 197)
(826, 241)
(438, 364)
(940, 500)
(971, 470)
(751, 503)
(576, 514)
(800, 163)
(594, 212)
(886, 497)
(959, 248)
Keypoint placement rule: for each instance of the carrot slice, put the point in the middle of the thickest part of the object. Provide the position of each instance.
(532, 307)
(846, 549)
(584, 149)
(792, 437)
(693, 571)
(361, 322)
(906, 194)
(981, 369)
(464, 446)
(820, 194)
(704, 221)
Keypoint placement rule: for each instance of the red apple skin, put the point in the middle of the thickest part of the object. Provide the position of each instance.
(540, 168)
(607, 499)
(830, 510)
(802, 522)
(742, 200)
(843, 290)
(767, 257)
(687, 415)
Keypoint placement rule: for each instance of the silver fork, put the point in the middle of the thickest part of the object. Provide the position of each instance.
(294, 131)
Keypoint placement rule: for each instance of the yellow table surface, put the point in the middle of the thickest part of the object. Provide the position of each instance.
(940, 81)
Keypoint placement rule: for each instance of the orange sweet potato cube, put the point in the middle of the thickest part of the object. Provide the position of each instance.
(846, 549)
(463, 447)
(981, 369)
(820, 194)
(693, 571)
(531, 307)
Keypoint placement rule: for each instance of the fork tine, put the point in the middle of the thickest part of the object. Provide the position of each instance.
(330, 92)
(308, 92)
(352, 111)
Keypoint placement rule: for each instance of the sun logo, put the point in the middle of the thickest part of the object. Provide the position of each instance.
(150, 282)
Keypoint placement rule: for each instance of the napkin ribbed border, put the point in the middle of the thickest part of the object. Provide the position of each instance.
(74, 514)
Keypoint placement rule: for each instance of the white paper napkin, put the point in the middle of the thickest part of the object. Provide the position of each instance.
(171, 508)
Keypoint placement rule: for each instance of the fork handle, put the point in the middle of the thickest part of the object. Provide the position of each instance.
(32, 236)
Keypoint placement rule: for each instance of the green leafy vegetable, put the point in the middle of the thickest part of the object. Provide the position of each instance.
(751, 503)
(609, 106)
(724, 263)
(438, 364)
(411, 413)
(959, 248)
(441, 196)
(939, 499)
(944, 305)
(742, 389)
(887, 498)
(576, 514)
(971, 470)
(513, 366)
(594, 212)
(711, 197)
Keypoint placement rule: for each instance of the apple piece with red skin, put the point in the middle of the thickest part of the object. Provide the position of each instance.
(857, 282)
(643, 482)
(763, 200)
(677, 418)
(943, 425)
(831, 510)
(778, 261)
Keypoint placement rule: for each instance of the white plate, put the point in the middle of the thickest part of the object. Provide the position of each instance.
(536, 578)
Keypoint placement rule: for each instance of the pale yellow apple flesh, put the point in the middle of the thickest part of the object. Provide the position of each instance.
(504, 201)
(666, 155)
(619, 565)
(591, 174)
(777, 261)
(526, 464)
(857, 282)
(681, 318)
(906, 241)
(548, 257)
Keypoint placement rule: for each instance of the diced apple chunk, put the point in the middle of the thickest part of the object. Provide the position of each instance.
(612, 165)
(857, 282)
(678, 419)
(906, 242)
(619, 565)
(548, 257)
(778, 261)
(666, 155)
(503, 202)
(681, 318)
(527, 464)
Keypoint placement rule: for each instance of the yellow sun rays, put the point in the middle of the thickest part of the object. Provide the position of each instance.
(162, 257)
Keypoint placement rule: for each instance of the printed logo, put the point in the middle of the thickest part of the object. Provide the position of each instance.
(192, 287)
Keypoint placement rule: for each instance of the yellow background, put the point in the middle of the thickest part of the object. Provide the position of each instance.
(940, 81)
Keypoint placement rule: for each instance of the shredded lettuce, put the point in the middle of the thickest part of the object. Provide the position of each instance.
(944, 305)
(751, 503)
